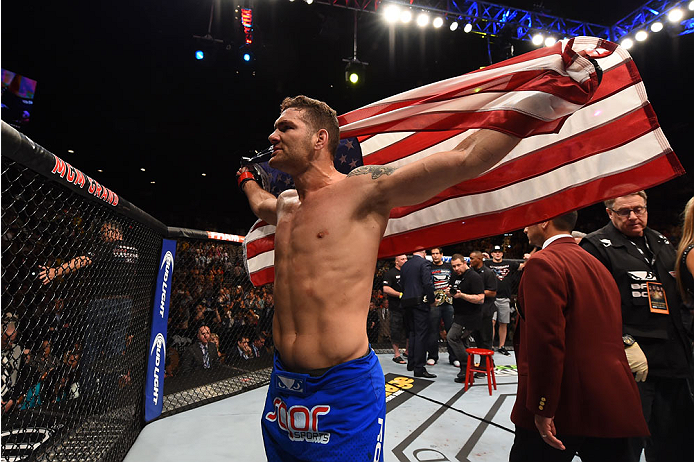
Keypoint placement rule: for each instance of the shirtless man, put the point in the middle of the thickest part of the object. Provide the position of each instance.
(326, 244)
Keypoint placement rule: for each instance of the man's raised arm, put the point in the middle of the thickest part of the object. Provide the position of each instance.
(263, 204)
(418, 181)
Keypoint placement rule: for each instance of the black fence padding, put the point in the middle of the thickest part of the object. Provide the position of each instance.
(211, 288)
(77, 292)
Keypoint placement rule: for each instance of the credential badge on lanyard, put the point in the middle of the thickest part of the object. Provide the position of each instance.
(657, 298)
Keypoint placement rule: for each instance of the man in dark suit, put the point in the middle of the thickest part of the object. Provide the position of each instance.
(201, 354)
(576, 393)
(417, 297)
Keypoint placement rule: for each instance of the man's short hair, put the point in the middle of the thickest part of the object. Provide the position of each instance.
(9, 319)
(476, 253)
(457, 256)
(565, 222)
(437, 248)
(318, 115)
(609, 203)
(113, 224)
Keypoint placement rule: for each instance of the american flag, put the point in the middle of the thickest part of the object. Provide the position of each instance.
(580, 146)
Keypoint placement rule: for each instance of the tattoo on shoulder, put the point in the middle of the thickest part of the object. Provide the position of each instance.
(376, 171)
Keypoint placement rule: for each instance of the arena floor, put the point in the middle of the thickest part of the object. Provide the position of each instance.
(438, 421)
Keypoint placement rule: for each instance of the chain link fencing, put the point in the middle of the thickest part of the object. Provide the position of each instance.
(76, 295)
(211, 289)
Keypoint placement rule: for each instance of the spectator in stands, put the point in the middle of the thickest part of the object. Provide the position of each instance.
(372, 323)
(214, 338)
(243, 348)
(392, 289)
(67, 386)
(656, 344)
(55, 325)
(197, 320)
(43, 366)
(383, 322)
(200, 355)
(258, 345)
(112, 267)
(13, 358)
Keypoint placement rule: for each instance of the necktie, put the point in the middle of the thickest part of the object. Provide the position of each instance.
(205, 357)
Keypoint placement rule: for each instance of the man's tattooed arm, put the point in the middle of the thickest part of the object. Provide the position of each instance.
(376, 171)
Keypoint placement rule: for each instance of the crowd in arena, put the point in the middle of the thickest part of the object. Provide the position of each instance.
(43, 355)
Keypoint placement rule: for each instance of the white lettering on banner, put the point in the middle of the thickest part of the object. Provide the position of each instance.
(300, 422)
(159, 344)
(379, 441)
(168, 260)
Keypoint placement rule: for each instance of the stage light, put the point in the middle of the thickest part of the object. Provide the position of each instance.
(152, 182)
(391, 13)
(691, 6)
(641, 36)
(247, 57)
(199, 55)
(406, 16)
(438, 22)
(205, 174)
(454, 25)
(656, 26)
(675, 15)
(468, 28)
(142, 169)
(354, 72)
(100, 171)
(309, 2)
(70, 151)
(422, 19)
(538, 39)
(627, 43)
(549, 41)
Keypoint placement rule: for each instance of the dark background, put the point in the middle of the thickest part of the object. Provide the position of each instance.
(118, 84)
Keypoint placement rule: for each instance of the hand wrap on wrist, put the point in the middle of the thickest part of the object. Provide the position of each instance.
(251, 174)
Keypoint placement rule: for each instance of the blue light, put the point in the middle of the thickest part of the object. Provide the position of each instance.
(246, 57)
(199, 55)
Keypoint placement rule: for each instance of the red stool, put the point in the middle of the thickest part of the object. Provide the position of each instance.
(488, 370)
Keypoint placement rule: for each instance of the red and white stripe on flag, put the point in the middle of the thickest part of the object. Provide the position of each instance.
(578, 147)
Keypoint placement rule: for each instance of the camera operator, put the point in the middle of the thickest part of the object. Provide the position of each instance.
(467, 289)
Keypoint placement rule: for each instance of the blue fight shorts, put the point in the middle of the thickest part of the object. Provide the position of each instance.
(337, 416)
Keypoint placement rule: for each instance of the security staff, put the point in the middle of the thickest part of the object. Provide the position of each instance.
(642, 262)
(418, 296)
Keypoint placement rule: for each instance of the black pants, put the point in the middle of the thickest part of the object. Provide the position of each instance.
(418, 321)
(528, 446)
(669, 412)
(483, 336)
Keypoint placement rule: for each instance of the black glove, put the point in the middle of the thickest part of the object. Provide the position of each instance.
(252, 172)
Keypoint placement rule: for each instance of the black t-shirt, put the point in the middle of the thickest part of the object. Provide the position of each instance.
(392, 280)
(113, 269)
(505, 272)
(469, 283)
(490, 283)
(441, 274)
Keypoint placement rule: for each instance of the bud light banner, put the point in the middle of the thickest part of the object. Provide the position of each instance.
(154, 391)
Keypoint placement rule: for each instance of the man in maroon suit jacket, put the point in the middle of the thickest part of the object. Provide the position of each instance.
(576, 392)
